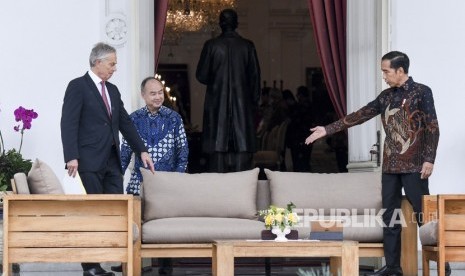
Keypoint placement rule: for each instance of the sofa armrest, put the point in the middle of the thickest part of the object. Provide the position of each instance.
(409, 249)
(67, 228)
(430, 208)
(137, 261)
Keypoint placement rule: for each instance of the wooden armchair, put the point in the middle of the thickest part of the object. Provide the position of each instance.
(67, 228)
(444, 215)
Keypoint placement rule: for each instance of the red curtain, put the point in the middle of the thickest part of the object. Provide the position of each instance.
(161, 7)
(329, 28)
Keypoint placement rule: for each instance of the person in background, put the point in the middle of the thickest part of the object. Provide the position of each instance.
(92, 117)
(228, 65)
(162, 131)
(322, 105)
(301, 121)
(262, 107)
(289, 99)
(409, 119)
(275, 113)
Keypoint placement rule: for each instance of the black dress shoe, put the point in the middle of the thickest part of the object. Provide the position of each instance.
(448, 270)
(165, 271)
(387, 271)
(117, 268)
(98, 271)
(165, 266)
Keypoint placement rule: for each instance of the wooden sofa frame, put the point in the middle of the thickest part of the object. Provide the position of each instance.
(68, 228)
(99, 228)
(449, 212)
(409, 257)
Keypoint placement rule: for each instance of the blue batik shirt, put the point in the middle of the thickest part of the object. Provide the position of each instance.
(165, 138)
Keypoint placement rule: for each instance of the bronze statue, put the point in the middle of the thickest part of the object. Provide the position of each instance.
(229, 67)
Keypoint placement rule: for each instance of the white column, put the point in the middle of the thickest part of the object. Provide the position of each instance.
(117, 30)
(144, 54)
(364, 42)
(129, 27)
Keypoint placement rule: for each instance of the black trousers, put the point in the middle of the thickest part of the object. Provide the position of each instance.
(223, 162)
(106, 181)
(414, 188)
(109, 180)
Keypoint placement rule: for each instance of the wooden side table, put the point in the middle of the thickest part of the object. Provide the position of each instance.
(344, 258)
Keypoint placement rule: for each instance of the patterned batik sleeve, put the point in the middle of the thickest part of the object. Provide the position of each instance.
(431, 131)
(182, 149)
(126, 153)
(355, 118)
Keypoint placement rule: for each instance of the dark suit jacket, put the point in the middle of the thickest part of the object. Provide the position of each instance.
(87, 131)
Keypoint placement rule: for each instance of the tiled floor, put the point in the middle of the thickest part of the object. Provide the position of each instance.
(278, 268)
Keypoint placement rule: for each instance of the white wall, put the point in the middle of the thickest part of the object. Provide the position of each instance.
(44, 45)
(42, 50)
(432, 32)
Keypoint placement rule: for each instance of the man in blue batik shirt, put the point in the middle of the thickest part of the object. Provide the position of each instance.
(162, 131)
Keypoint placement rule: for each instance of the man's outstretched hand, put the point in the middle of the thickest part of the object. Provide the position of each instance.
(318, 132)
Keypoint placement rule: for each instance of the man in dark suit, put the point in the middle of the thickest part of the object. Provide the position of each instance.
(93, 114)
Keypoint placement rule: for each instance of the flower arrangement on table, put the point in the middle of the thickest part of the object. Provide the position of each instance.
(12, 161)
(278, 217)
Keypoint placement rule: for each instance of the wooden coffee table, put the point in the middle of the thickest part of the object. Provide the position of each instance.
(343, 254)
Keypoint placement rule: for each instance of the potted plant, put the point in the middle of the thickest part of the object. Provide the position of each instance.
(12, 161)
(280, 220)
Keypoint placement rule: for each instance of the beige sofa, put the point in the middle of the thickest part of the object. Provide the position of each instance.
(182, 214)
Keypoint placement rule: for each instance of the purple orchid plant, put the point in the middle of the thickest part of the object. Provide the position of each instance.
(11, 161)
(25, 116)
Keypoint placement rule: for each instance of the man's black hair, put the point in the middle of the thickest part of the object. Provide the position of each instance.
(144, 82)
(397, 59)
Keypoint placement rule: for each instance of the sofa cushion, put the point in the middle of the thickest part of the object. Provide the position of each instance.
(199, 229)
(172, 194)
(429, 233)
(327, 192)
(42, 179)
(21, 183)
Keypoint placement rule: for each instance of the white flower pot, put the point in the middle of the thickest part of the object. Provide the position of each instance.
(280, 234)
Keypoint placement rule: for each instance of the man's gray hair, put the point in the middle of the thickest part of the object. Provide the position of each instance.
(100, 51)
